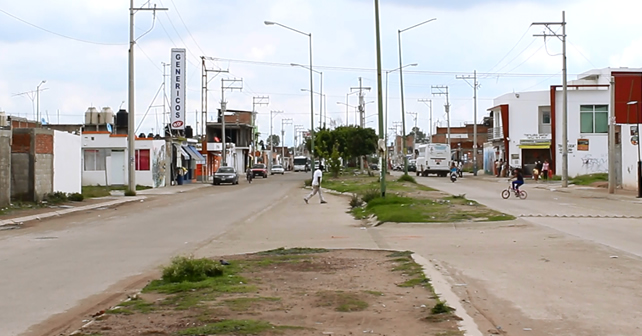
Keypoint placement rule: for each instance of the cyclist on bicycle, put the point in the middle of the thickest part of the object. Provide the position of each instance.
(249, 175)
(519, 179)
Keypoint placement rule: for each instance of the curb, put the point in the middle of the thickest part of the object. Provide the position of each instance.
(21, 220)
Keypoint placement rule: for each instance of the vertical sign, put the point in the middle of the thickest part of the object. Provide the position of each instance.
(178, 72)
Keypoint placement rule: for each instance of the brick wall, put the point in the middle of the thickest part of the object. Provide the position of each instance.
(5, 167)
(31, 163)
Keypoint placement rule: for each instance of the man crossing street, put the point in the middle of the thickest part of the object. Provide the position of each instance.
(316, 185)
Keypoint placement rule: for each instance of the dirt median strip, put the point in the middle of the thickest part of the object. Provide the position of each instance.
(295, 291)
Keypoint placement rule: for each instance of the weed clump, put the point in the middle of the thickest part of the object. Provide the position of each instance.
(191, 270)
(76, 197)
(406, 178)
(56, 197)
(355, 201)
(441, 308)
(370, 195)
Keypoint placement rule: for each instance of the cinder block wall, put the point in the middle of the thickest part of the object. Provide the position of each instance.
(5, 167)
(32, 164)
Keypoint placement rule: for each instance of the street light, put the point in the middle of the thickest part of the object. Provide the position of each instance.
(386, 114)
(637, 117)
(321, 98)
(38, 101)
(403, 112)
(309, 35)
(321, 103)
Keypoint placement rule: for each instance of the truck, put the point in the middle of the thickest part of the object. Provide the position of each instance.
(433, 159)
(301, 163)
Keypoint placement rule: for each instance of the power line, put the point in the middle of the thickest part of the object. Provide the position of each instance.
(188, 31)
(511, 50)
(58, 34)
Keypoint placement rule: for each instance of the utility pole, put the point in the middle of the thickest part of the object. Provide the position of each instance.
(271, 137)
(38, 118)
(204, 109)
(564, 90)
(259, 100)
(362, 110)
(612, 175)
(429, 103)
(474, 85)
(399, 150)
(287, 121)
(165, 101)
(131, 123)
(227, 84)
(439, 90)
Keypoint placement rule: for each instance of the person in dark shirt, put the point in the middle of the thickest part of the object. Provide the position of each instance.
(519, 179)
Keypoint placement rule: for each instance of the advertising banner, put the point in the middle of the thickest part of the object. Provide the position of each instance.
(177, 87)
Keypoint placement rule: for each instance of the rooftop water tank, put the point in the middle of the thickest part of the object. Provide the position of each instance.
(91, 116)
(122, 119)
(107, 115)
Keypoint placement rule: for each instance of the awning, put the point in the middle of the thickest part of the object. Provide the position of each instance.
(543, 145)
(200, 159)
(180, 150)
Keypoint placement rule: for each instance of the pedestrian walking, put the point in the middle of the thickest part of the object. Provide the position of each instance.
(316, 185)
(545, 167)
(500, 165)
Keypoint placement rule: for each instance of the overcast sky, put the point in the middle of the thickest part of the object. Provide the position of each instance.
(80, 49)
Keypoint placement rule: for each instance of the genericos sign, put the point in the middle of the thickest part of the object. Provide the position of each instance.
(178, 71)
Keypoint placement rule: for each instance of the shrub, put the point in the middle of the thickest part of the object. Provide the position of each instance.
(193, 270)
(441, 308)
(130, 192)
(355, 201)
(370, 195)
(76, 197)
(307, 182)
(406, 178)
(56, 197)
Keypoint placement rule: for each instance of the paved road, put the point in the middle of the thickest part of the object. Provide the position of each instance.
(53, 265)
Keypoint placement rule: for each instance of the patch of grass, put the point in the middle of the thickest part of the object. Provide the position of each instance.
(375, 293)
(138, 305)
(556, 178)
(243, 304)
(119, 311)
(441, 308)
(341, 301)
(57, 197)
(184, 269)
(76, 197)
(499, 218)
(293, 251)
(230, 327)
(19, 205)
(410, 268)
(406, 178)
(370, 195)
(400, 254)
(355, 201)
(590, 179)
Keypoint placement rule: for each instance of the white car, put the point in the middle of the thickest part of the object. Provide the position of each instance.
(277, 169)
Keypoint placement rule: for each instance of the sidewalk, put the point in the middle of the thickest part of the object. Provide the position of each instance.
(12, 223)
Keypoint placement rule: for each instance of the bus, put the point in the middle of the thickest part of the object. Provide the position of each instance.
(433, 159)
(301, 163)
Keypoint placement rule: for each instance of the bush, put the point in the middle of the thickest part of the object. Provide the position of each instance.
(130, 192)
(406, 178)
(370, 195)
(76, 197)
(56, 197)
(441, 308)
(355, 201)
(307, 182)
(192, 270)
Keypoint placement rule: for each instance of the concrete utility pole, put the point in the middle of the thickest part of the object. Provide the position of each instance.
(260, 100)
(271, 137)
(227, 84)
(131, 122)
(204, 90)
(383, 166)
(38, 118)
(399, 149)
(564, 90)
(287, 121)
(441, 90)
(429, 103)
(362, 110)
(474, 85)
(612, 175)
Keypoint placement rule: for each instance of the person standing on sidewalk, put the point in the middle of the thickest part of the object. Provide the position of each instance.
(316, 185)
(545, 167)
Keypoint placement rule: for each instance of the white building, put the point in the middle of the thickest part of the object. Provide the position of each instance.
(104, 160)
(527, 126)
(67, 162)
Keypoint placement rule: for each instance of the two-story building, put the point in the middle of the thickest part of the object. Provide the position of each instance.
(238, 132)
(527, 126)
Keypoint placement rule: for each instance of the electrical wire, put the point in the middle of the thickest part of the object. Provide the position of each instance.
(188, 31)
(511, 50)
(58, 34)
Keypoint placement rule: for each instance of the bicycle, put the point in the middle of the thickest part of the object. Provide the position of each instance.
(249, 177)
(519, 193)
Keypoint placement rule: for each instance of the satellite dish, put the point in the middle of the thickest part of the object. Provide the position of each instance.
(43, 121)
(109, 129)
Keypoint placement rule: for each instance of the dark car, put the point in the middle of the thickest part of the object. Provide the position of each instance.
(412, 167)
(226, 175)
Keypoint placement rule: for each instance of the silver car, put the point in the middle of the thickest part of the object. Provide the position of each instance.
(277, 169)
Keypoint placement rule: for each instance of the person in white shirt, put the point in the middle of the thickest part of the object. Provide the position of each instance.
(316, 185)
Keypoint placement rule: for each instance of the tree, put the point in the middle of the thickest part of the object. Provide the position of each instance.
(419, 135)
(273, 138)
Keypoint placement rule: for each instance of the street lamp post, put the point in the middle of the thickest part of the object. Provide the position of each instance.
(403, 112)
(309, 35)
(321, 97)
(637, 117)
(321, 118)
(386, 112)
(38, 101)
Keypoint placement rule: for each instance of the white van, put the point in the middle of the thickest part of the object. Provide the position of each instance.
(433, 159)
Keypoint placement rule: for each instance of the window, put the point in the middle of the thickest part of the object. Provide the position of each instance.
(94, 159)
(594, 118)
(546, 117)
(142, 159)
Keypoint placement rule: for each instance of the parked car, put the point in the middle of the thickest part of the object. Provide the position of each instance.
(259, 169)
(226, 175)
(277, 169)
(374, 166)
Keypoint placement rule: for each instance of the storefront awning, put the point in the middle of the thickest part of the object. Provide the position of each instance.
(542, 145)
(198, 157)
(182, 152)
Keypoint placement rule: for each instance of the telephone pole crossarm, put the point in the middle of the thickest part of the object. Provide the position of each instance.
(475, 86)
